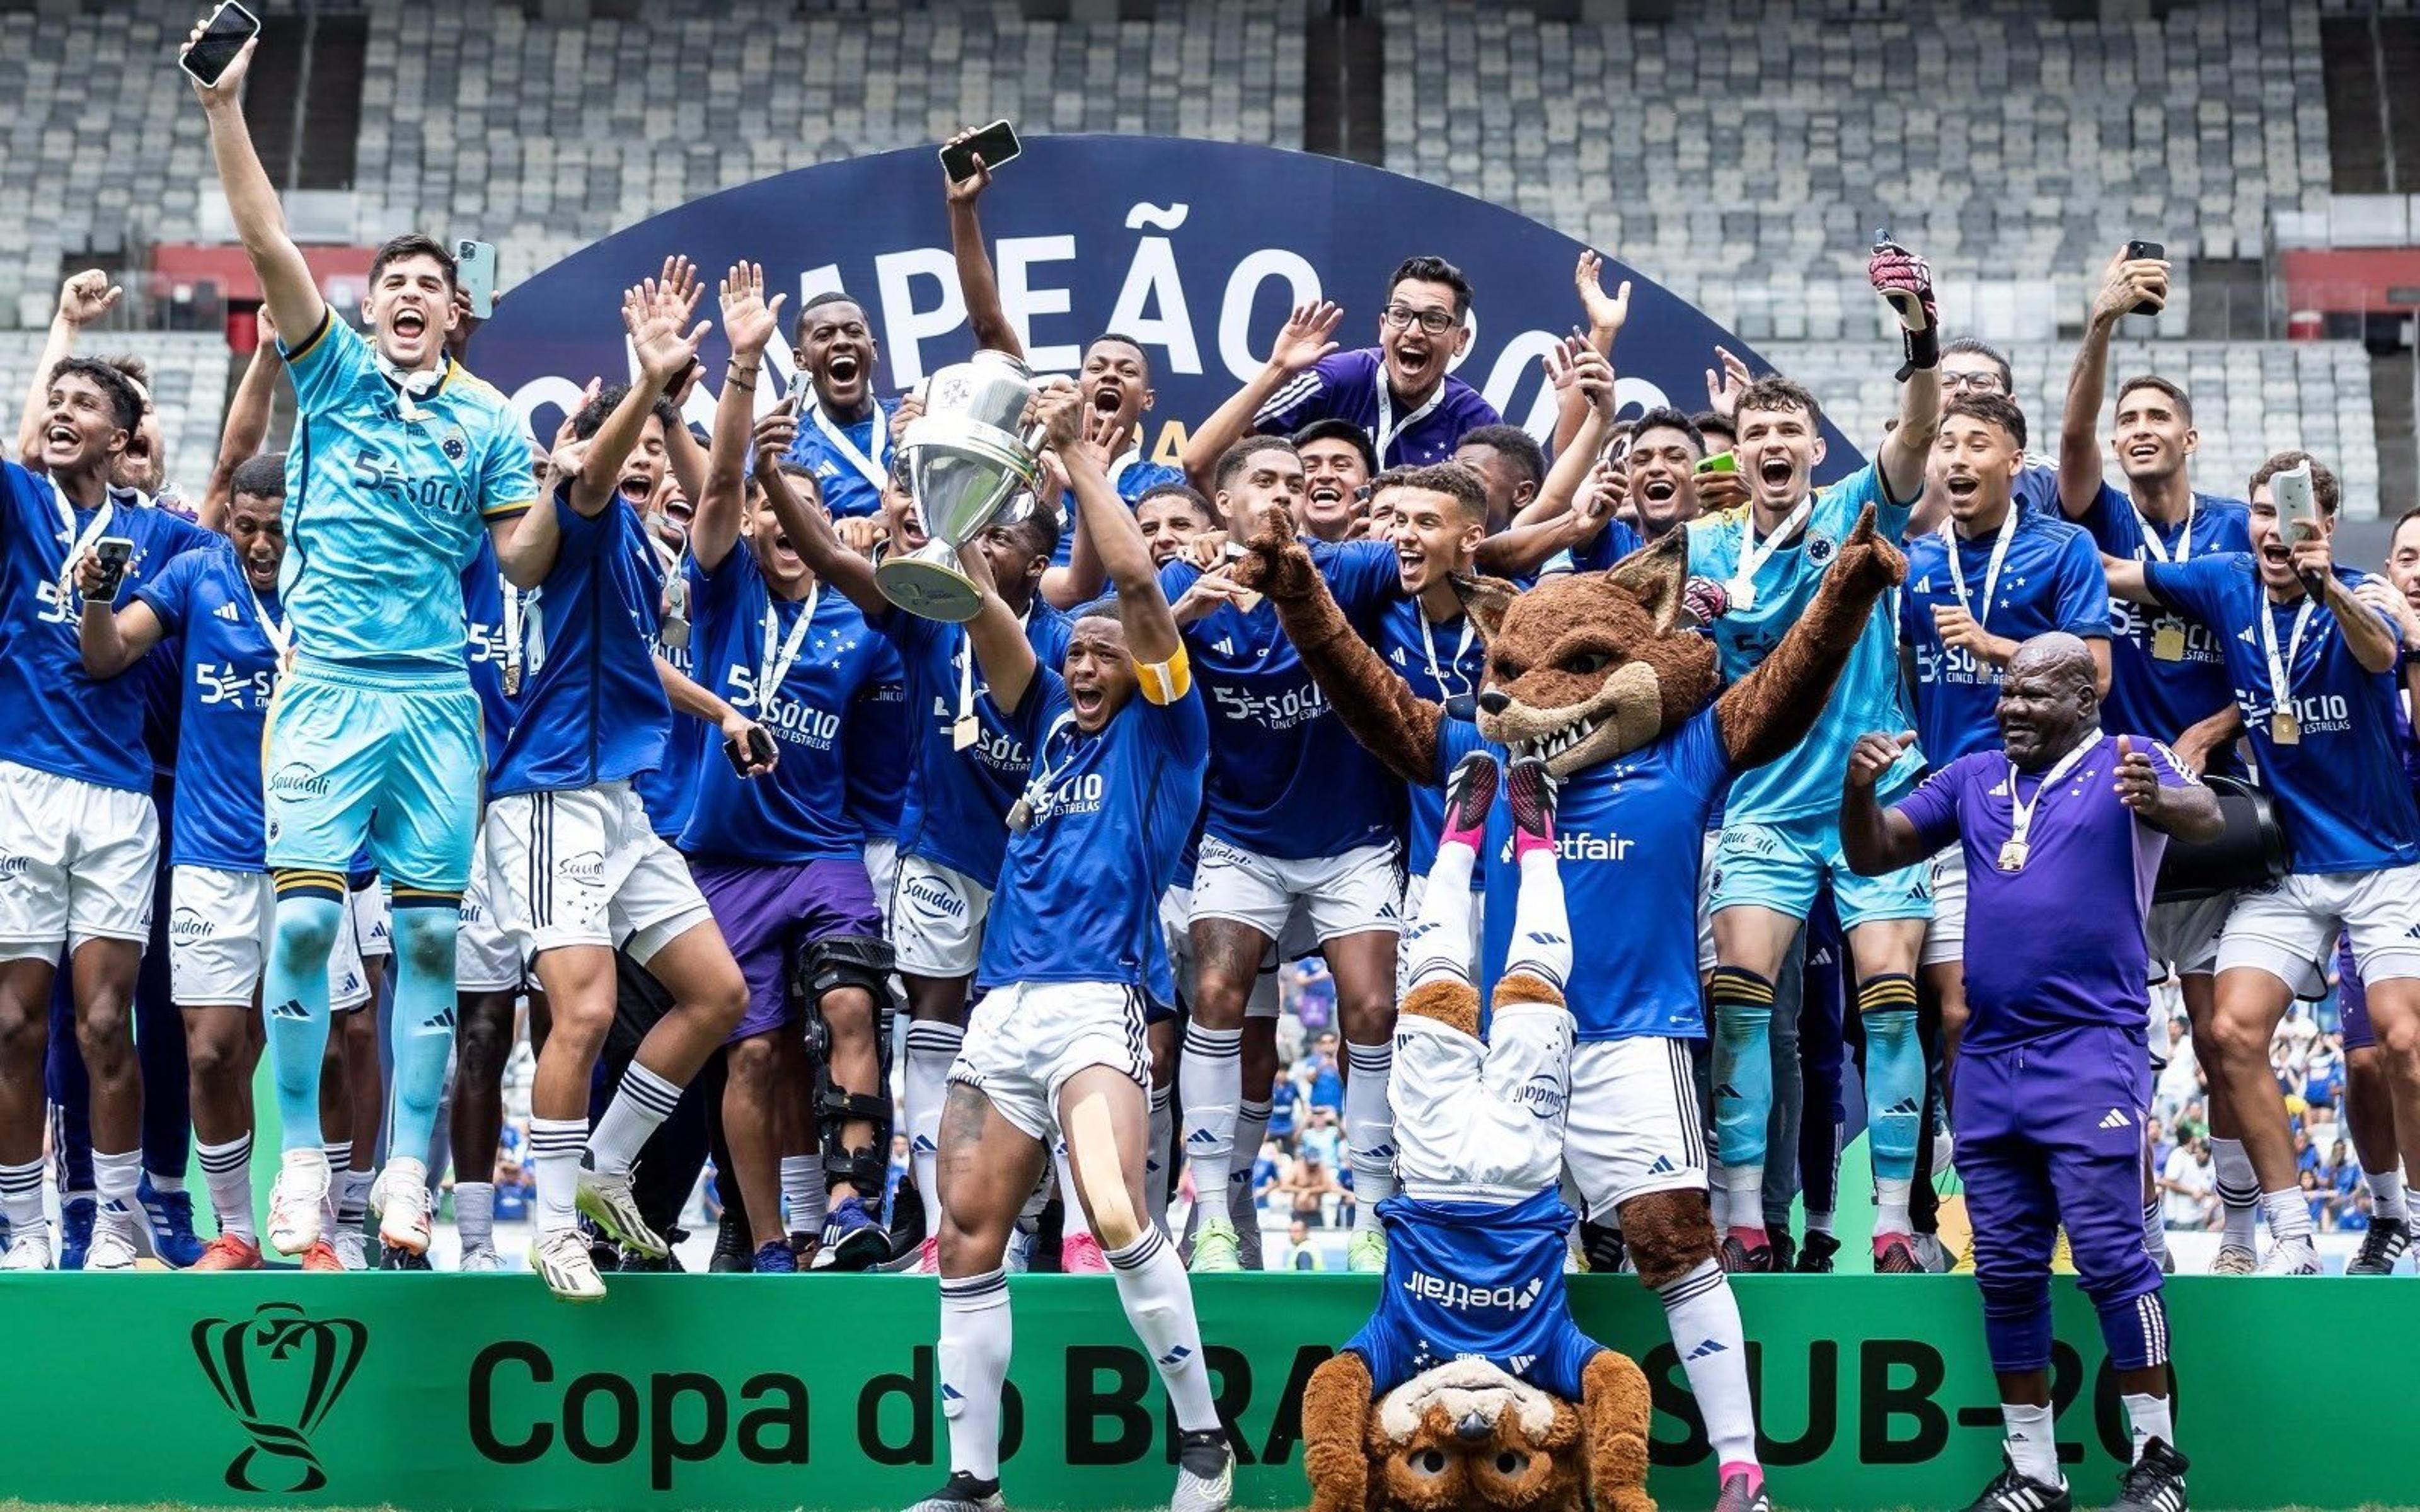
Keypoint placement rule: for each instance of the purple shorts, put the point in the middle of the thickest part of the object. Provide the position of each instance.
(2352, 999)
(766, 910)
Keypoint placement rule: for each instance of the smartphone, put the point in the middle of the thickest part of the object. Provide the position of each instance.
(2292, 489)
(114, 552)
(223, 37)
(475, 273)
(1719, 462)
(995, 143)
(2138, 250)
(801, 396)
(757, 752)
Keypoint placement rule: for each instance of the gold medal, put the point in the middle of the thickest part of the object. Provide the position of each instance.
(2283, 729)
(965, 732)
(1020, 816)
(2168, 640)
(512, 679)
(2013, 856)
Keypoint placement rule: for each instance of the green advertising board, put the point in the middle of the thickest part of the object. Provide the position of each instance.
(431, 1392)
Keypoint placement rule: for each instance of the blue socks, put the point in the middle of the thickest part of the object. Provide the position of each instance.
(422, 1032)
(294, 996)
(1742, 1064)
(1894, 1073)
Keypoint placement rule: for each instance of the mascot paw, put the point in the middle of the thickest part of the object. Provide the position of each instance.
(1274, 561)
(1868, 563)
(1454, 1004)
(1335, 1420)
(1616, 1410)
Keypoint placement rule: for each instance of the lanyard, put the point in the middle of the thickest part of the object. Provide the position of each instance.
(409, 386)
(281, 634)
(78, 544)
(965, 724)
(1754, 554)
(2021, 811)
(1428, 642)
(773, 667)
(1387, 427)
(875, 470)
(2158, 550)
(1037, 784)
(1133, 457)
(515, 657)
(2281, 673)
(1990, 572)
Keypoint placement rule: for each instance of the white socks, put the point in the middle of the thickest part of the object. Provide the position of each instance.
(2386, 1194)
(2239, 1193)
(475, 1214)
(1369, 1125)
(1739, 1196)
(1160, 1304)
(2032, 1442)
(21, 1196)
(1438, 946)
(116, 1178)
(931, 1046)
(554, 1155)
(2148, 1418)
(227, 1169)
(975, 1340)
(1542, 938)
(1890, 1204)
(1154, 1157)
(2290, 1214)
(1211, 1070)
(1701, 1311)
(804, 1199)
(644, 1102)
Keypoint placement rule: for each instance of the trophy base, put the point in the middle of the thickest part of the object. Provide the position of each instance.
(934, 590)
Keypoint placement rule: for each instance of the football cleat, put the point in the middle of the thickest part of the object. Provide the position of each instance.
(170, 1217)
(1205, 1473)
(481, 1259)
(560, 1256)
(2384, 1244)
(1365, 1253)
(321, 1256)
(112, 1247)
(2235, 1259)
(1739, 1257)
(29, 1249)
(1469, 794)
(400, 1198)
(776, 1257)
(295, 1203)
(606, 1198)
(1214, 1248)
(2291, 1256)
(2013, 1490)
(1895, 1255)
(2154, 1483)
(351, 1249)
(853, 1240)
(1080, 1255)
(1743, 1492)
(77, 1218)
(962, 1492)
(229, 1252)
(1815, 1257)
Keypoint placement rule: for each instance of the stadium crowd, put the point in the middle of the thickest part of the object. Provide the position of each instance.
(422, 739)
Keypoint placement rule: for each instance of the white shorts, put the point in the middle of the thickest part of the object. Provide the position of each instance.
(1024, 1040)
(1634, 1126)
(220, 926)
(487, 956)
(373, 919)
(1176, 931)
(1416, 888)
(1945, 938)
(2183, 937)
(1482, 1122)
(937, 919)
(2288, 929)
(1706, 956)
(586, 867)
(1333, 896)
(78, 862)
(882, 870)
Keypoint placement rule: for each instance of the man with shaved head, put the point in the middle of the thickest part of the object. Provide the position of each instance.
(2061, 829)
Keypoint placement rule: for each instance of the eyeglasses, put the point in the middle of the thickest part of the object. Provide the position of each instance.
(1435, 322)
(1980, 382)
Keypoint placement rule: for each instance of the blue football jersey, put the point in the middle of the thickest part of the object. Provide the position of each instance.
(385, 504)
(2049, 579)
(488, 642)
(798, 811)
(594, 711)
(1078, 896)
(230, 669)
(2339, 789)
(1442, 662)
(878, 736)
(1630, 834)
(1605, 548)
(850, 461)
(1286, 779)
(955, 810)
(1351, 386)
(2161, 694)
(1869, 695)
(1476, 1280)
(59, 721)
(1132, 477)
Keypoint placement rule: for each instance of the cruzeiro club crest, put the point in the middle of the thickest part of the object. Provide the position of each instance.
(279, 1372)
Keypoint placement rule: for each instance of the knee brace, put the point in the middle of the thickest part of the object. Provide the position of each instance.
(822, 968)
(1669, 1234)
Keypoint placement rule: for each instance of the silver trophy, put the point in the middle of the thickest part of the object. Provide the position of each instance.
(970, 462)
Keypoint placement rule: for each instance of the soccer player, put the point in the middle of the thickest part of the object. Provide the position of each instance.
(1338, 465)
(1169, 517)
(2060, 830)
(1300, 829)
(219, 607)
(1970, 365)
(2316, 680)
(2168, 674)
(75, 803)
(1780, 839)
(1509, 463)
(1056, 1046)
(777, 857)
(1666, 447)
(1991, 577)
(580, 871)
(399, 458)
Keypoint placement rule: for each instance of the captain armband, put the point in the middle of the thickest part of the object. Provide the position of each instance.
(1164, 681)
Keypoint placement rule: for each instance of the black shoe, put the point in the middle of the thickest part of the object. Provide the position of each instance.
(1205, 1473)
(392, 1259)
(1815, 1255)
(1470, 793)
(734, 1254)
(1785, 1249)
(635, 1263)
(2384, 1244)
(1743, 1493)
(1603, 1246)
(2155, 1483)
(1531, 789)
(1744, 1259)
(962, 1492)
(2012, 1492)
(1897, 1258)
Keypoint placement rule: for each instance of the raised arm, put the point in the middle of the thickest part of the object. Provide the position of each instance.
(1606, 314)
(750, 322)
(997, 640)
(2374, 642)
(684, 458)
(1080, 581)
(247, 423)
(286, 279)
(1769, 711)
(2123, 284)
(976, 283)
(1874, 839)
(85, 298)
(1379, 706)
(663, 340)
(1151, 629)
(1555, 520)
(1904, 281)
(811, 530)
(1308, 338)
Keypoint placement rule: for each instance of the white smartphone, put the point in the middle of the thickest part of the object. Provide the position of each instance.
(475, 273)
(223, 37)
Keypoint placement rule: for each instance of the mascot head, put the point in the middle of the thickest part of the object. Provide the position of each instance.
(1465, 1434)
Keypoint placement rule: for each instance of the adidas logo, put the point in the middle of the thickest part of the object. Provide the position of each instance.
(1727, 1092)
(1923, 586)
(1906, 1107)
(2117, 1119)
(2245, 635)
(1225, 647)
(1520, 1363)
(1175, 1357)
(1540, 937)
(291, 1010)
(952, 1394)
(226, 611)
(1663, 1166)
(1203, 1137)
(2412, 933)
(924, 1146)
(1707, 1351)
